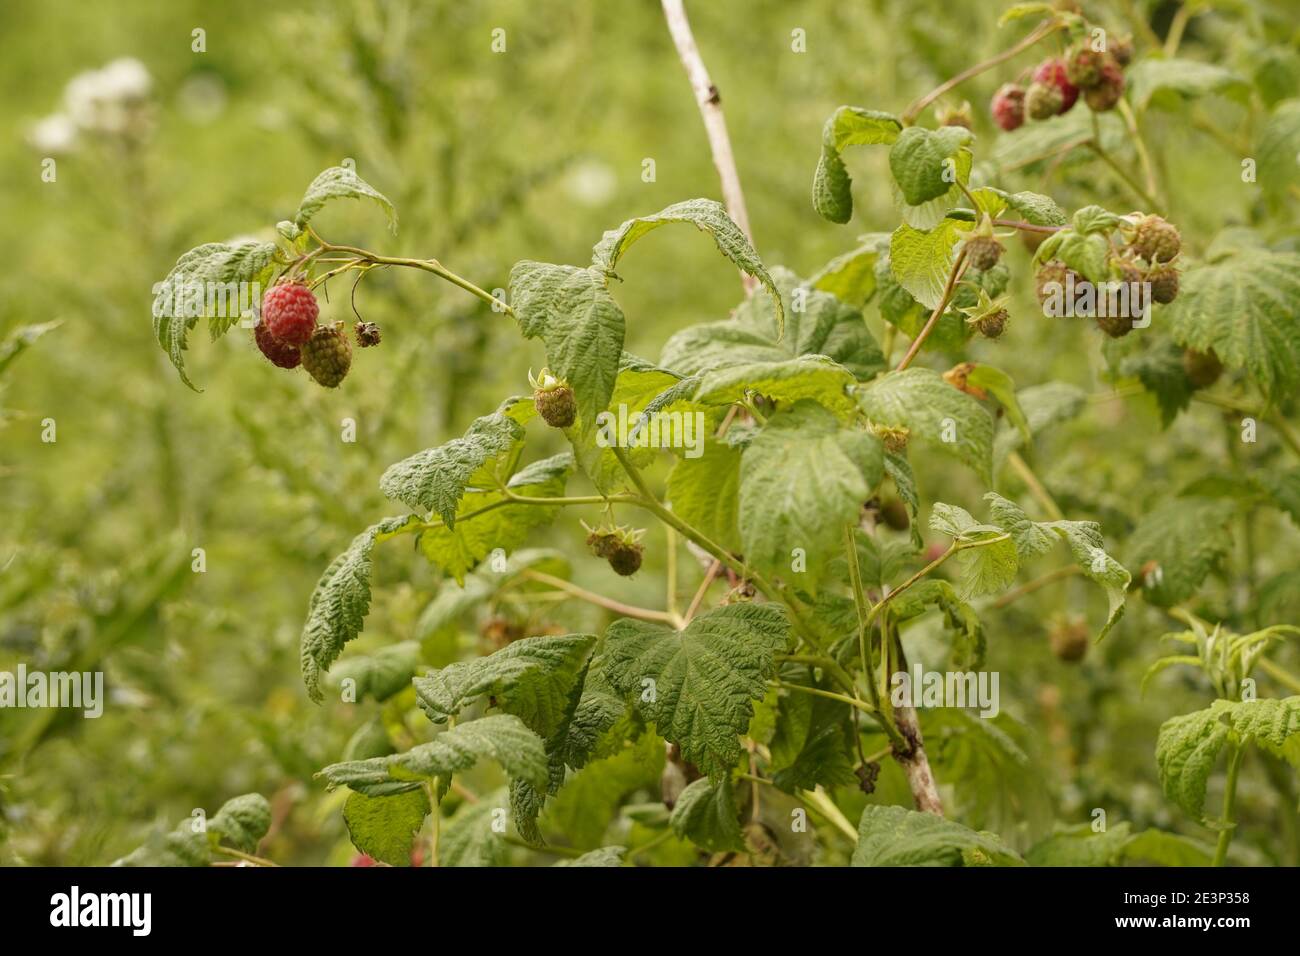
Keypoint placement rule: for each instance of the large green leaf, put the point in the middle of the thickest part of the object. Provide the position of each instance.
(698, 685)
(708, 216)
(530, 678)
(813, 743)
(705, 493)
(816, 323)
(923, 161)
(932, 410)
(896, 836)
(506, 525)
(499, 737)
(921, 261)
(1188, 746)
(802, 478)
(385, 827)
(1184, 538)
(847, 126)
(435, 480)
(340, 602)
(1246, 308)
(578, 321)
(1277, 148)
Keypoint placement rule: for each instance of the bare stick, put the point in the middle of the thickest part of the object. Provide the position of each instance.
(715, 124)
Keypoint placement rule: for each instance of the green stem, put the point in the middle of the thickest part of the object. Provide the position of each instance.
(828, 664)
(241, 855)
(591, 597)
(861, 705)
(435, 821)
(958, 267)
(1235, 756)
(866, 650)
(1036, 487)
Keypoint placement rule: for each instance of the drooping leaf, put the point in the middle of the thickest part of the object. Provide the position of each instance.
(847, 126)
(340, 602)
(499, 737)
(802, 478)
(206, 282)
(530, 678)
(705, 814)
(936, 413)
(341, 182)
(579, 323)
(385, 827)
(896, 836)
(698, 685)
(706, 215)
(382, 674)
(242, 822)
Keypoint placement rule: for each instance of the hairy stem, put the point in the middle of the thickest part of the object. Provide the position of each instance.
(709, 101)
(1236, 754)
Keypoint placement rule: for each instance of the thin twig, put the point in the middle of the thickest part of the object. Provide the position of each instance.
(958, 267)
(709, 101)
(618, 607)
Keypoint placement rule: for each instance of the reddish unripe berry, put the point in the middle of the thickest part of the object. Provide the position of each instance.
(280, 353)
(1052, 72)
(1107, 92)
(1008, 106)
(289, 311)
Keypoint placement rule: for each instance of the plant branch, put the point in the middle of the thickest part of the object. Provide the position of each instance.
(591, 597)
(958, 267)
(821, 804)
(241, 855)
(709, 101)
(1036, 487)
(1229, 823)
(1027, 226)
(1044, 29)
(1029, 587)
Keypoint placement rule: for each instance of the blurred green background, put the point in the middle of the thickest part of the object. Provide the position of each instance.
(491, 158)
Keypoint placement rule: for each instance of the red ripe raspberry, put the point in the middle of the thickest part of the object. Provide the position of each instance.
(280, 353)
(1008, 106)
(1053, 72)
(289, 311)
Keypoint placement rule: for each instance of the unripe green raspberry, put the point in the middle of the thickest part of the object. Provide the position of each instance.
(983, 252)
(1043, 101)
(1156, 240)
(327, 355)
(1106, 92)
(1164, 283)
(1203, 368)
(554, 399)
(1083, 66)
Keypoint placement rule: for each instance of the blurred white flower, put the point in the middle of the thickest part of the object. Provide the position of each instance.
(592, 183)
(106, 100)
(53, 135)
(126, 79)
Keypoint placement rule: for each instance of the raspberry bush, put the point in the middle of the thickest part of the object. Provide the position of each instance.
(807, 535)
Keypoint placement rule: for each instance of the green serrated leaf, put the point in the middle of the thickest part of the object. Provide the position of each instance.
(385, 827)
(817, 323)
(579, 323)
(922, 261)
(922, 161)
(705, 492)
(340, 182)
(340, 602)
(896, 836)
(1185, 538)
(935, 413)
(499, 737)
(851, 277)
(530, 678)
(382, 674)
(1246, 308)
(435, 480)
(847, 126)
(206, 283)
(802, 478)
(705, 814)
(497, 522)
(706, 215)
(470, 837)
(698, 685)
